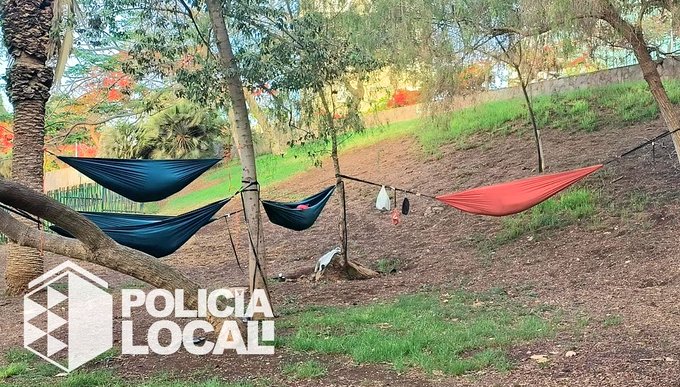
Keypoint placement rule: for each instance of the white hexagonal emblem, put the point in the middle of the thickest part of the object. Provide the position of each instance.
(68, 316)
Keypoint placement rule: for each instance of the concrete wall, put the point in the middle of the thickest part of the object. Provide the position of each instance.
(66, 177)
(669, 70)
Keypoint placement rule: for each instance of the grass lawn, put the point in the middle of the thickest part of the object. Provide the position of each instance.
(449, 333)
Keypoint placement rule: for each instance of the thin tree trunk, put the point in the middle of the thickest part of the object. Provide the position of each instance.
(534, 124)
(339, 185)
(26, 27)
(349, 269)
(650, 72)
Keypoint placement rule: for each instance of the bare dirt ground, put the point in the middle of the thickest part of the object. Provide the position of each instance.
(618, 265)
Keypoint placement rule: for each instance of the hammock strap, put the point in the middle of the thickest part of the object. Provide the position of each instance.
(233, 246)
(21, 213)
(644, 144)
(380, 185)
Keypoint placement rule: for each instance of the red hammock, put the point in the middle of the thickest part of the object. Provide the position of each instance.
(515, 196)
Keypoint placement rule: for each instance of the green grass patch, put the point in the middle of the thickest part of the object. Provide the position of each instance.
(455, 334)
(225, 179)
(90, 379)
(12, 369)
(495, 116)
(570, 207)
(19, 355)
(612, 321)
(310, 369)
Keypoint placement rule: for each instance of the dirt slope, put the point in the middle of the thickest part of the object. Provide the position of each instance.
(616, 265)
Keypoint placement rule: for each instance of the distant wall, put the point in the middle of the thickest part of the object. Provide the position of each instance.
(669, 70)
(61, 178)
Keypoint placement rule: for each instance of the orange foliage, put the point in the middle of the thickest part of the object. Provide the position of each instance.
(82, 150)
(6, 137)
(403, 97)
(474, 76)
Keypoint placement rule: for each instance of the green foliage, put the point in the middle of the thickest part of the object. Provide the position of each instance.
(570, 207)
(453, 333)
(183, 130)
(12, 369)
(388, 265)
(310, 369)
(612, 321)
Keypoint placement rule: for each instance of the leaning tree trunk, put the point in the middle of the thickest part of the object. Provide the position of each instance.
(244, 139)
(26, 27)
(89, 243)
(649, 69)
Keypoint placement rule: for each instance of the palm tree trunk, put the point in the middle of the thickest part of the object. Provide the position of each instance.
(244, 139)
(26, 27)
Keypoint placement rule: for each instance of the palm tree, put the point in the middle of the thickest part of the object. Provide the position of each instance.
(28, 30)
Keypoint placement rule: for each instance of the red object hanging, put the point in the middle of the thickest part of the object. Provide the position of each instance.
(514, 196)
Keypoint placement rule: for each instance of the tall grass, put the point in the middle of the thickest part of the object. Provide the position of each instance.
(570, 207)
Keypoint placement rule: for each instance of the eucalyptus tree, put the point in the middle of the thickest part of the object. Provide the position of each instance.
(190, 42)
(632, 21)
(505, 31)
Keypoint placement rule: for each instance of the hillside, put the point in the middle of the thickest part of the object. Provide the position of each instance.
(593, 271)
(584, 110)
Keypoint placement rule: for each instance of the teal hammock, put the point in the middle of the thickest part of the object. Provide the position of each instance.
(299, 215)
(156, 235)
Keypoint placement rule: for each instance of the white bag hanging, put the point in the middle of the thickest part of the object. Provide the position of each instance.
(383, 202)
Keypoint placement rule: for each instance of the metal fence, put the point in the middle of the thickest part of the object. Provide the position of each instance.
(91, 197)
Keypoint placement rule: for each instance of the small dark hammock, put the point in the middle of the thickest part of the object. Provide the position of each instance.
(155, 235)
(141, 180)
(300, 215)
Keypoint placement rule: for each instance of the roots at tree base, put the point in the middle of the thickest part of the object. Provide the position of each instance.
(354, 271)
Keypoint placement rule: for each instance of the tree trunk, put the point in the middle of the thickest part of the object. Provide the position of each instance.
(534, 124)
(349, 269)
(649, 69)
(244, 139)
(339, 185)
(26, 27)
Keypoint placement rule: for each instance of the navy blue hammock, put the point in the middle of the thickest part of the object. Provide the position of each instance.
(141, 180)
(300, 215)
(156, 235)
